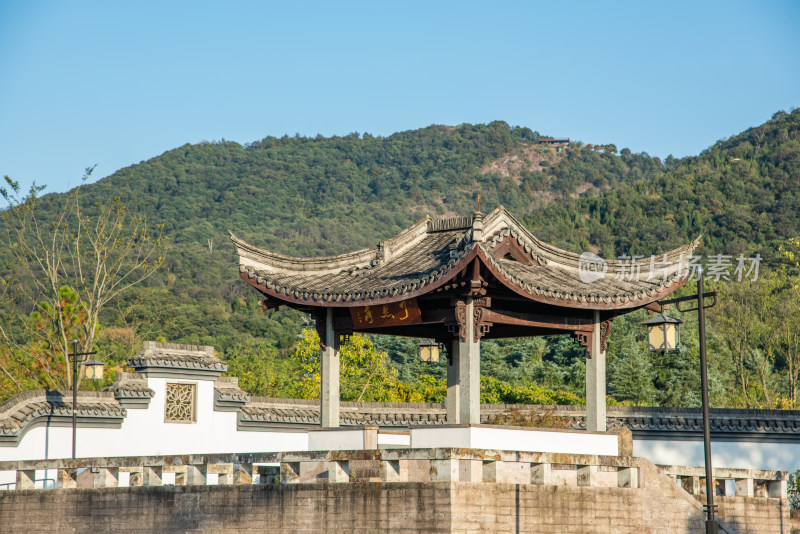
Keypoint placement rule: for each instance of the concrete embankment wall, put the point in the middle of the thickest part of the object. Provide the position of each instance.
(659, 506)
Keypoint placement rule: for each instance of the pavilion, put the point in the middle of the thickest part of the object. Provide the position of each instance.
(458, 280)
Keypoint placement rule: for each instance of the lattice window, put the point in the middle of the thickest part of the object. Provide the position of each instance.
(180, 407)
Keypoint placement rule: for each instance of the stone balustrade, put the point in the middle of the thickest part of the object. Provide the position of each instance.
(745, 482)
(387, 465)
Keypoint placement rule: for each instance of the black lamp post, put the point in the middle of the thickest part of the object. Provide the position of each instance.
(93, 370)
(663, 336)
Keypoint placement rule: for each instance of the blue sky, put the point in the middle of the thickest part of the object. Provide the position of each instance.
(113, 83)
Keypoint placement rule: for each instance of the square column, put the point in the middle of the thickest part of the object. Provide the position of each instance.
(329, 376)
(596, 382)
(468, 357)
(453, 390)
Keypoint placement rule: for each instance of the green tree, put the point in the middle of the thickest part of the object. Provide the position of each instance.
(93, 254)
(365, 373)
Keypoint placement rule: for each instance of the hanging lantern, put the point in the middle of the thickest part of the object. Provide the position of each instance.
(663, 333)
(93, 370)
(428, 351)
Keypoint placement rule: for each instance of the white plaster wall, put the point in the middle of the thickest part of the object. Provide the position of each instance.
(734, 454)
(516, 440)
(394, 438)
(335, 440)
(144, 433)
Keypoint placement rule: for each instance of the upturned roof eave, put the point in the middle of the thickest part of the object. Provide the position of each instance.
(267, 260)
(585, 302)
(581, 301)
(555, 256)
(299, 301)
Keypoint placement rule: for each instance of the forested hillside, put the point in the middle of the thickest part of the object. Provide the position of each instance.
(312, 196)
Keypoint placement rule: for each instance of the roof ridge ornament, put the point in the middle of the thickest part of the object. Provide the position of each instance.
(477, 226)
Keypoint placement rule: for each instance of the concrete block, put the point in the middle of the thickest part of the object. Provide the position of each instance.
(152, 475)
(339, 471)
(776, 488)
(106, 477)
(196, 475)
(242, 474)
(394, 470)
(541, 474)
(444, 470)
(470, 470)
(587, 475)
(26, 479)
(493, 471)
(290, 472)
(691, 484)
(370, 437)
(67, 478)
(628, 477)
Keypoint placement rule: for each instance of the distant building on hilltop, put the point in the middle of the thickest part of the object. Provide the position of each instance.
(554, 141)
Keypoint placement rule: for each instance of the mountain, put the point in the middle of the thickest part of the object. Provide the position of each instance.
(313, 196)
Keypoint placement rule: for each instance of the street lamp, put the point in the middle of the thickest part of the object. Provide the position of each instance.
(93, 370)
(663, 333)
(663, 336)
(428, 351)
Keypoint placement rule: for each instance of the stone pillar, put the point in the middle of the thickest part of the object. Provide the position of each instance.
(469, 372)
(329, 374)
(370, 437)
(596, 382)
(453, 391)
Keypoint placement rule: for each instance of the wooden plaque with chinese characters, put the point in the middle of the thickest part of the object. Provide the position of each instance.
(393, 314)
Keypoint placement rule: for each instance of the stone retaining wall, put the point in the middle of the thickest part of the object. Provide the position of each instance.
(659, 506)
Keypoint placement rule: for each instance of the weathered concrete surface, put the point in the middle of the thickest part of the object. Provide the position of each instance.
(660, 506)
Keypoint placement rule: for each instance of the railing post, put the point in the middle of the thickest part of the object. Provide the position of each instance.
(587, 475)
(628, 477)
(152, 475)
(338, 471)
(743, 487)
(290, 472)
(67, 478)
(394, 470)
(444, 470)
(242, 474)
(196, 475)
(106, 477)
(493, 471)
(26, 479)
(776, 488)
(470, 470)
(541, 474)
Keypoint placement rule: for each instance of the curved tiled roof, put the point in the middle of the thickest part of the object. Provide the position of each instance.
(173, 356)
(131, 386)
(430, 253)
(306, 412)
(22, 410)
(643, 421)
